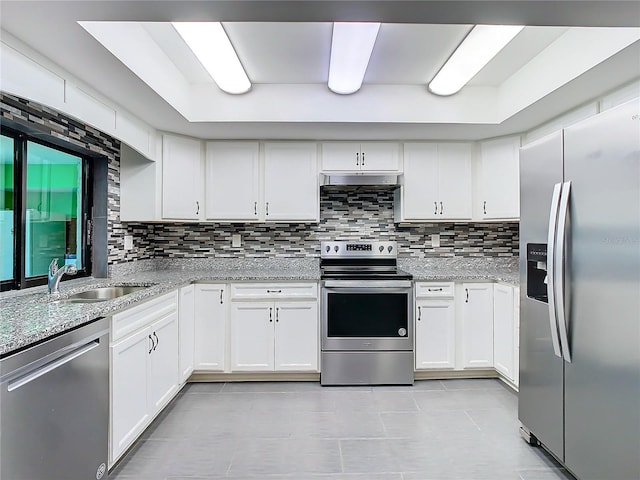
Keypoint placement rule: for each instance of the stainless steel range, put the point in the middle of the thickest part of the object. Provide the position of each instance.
(367, 315)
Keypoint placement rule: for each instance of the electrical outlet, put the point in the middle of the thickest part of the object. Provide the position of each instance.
(236, 242)
(435, 240)
(128, 242)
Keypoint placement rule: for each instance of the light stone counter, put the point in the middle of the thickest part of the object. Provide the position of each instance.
(31, 315)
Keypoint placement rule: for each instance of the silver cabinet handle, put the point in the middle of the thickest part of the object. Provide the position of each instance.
(551, 270)
(277, 314)
(157, 341)
(267, 208)
(435, 206)
(274, 291)
(270, 314)
(434, 289)
(152, 344)
(221, 293)
(197, 208)
(363, 159)
(419, 313)
(467, 299)
(559, 270)
(441, 208)
(484, 207)
(255, 208)
(357, 158)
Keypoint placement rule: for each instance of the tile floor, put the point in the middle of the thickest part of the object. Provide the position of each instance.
(435, 430)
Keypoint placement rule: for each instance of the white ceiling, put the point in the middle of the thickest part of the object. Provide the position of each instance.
(285, 47)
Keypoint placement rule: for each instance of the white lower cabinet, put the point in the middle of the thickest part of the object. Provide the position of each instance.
(504, 331)
(186, 330)
(143, 368)
(477, 325)
(296, 336)
(210, 326)
(435, 326)
(271, 333)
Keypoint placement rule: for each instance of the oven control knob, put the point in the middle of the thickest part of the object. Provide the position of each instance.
(389, 248)
(381, 248)
(335, 248)
(402, 332)
(328, 248)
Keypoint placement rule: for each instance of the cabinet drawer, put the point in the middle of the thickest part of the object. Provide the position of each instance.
(246, 291)
(434, 289)
(130, 320)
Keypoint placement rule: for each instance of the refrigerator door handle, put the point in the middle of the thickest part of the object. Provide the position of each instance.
(559, 265)
(551, 261)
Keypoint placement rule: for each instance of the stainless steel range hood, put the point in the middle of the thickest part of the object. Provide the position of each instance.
(363, 179)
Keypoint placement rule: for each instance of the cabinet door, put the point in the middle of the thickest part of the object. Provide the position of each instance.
(291, 189)
(477, 325)
(232, 181)
(380, 157)
(454, 180)
(129, 409)
(296, 336)
(186, 319)
(163, 362)
(420, 189)
(435, 334)
(252, 329)
(181, 178)
(210, 326)
(499, 185)
(503, 331)
(340, 157)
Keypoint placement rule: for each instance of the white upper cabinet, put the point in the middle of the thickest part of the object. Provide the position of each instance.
(437, 182)
(291, 189)
(358, 157)
(181, 178)
(498, 185)
(232, 181)
(242, 185)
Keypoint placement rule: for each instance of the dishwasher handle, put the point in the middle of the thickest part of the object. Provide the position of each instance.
(48, 367)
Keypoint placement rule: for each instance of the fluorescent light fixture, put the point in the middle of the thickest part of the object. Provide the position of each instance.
(351, 47)
(211, 46)
(476, 50)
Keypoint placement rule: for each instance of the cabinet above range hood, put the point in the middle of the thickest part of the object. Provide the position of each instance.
(391, 179)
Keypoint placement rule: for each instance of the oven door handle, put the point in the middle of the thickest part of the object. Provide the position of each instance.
(367, 290)
(368, 285)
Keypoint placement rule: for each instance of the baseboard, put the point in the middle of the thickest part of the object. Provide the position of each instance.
(315, 377)
(254, 377)
(451, 374)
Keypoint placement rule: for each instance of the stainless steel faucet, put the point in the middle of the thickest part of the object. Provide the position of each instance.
(55, 274)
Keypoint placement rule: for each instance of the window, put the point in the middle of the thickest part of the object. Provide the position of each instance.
(45, 205)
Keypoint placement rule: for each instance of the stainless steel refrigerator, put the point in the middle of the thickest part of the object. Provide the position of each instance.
(580, 294)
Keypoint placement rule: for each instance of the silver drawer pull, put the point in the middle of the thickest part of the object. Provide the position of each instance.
(434, 289)
(274, 291)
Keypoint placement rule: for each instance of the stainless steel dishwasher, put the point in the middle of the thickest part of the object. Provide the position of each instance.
(54, 408)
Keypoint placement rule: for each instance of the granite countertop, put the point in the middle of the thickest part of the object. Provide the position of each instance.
(31, 315)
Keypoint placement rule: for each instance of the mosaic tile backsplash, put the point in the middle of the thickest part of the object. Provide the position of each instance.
(346, 213)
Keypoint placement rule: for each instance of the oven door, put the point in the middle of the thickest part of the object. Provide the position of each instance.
(367, 315)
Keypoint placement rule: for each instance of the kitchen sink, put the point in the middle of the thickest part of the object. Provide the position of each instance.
(102, 294)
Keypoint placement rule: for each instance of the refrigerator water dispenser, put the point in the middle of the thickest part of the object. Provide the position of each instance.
(537, 271)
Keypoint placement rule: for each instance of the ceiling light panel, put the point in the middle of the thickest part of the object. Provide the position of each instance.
(351, 47)
(476, 50)
(210, 44)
